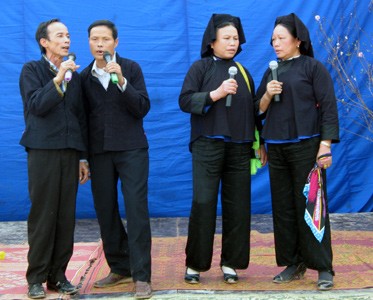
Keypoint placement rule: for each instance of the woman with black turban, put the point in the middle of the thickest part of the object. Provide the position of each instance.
(298, 130)
(221, 141)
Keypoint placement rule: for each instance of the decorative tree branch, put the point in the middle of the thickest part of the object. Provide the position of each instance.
(350, 52)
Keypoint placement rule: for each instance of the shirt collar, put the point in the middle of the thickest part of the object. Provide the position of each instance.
(293, 57)
(52, 66)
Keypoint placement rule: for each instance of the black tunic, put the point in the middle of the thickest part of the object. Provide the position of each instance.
(210, 118)
(308, 104)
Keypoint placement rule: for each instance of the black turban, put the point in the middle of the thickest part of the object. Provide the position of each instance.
(297, 28)
(210, 32)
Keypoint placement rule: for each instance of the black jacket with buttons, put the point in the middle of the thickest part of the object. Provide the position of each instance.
(116, 117)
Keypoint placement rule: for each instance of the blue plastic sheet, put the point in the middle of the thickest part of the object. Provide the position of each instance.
(164, 37)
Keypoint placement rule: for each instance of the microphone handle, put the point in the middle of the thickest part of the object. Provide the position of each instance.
(277, 98)
(68, 75)
(69, 72)
(114, 78)
(274, 77)
(228, 101)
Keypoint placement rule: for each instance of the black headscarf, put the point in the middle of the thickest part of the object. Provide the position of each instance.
(297, 28)
(210, 32)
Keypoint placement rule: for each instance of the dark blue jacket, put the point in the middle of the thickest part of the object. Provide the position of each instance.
(53, 120)
(116, 117)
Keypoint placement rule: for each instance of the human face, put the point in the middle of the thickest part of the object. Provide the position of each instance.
(226, 44)
(101, 40)
(57, 44)
(285, 45)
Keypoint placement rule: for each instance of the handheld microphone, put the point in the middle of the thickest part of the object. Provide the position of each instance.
(232, 71)
(113, 76)
(69, 73)
(273, 65)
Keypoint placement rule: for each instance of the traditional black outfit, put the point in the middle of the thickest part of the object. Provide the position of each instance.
(55, 138)
(220, 142)
(293, 128)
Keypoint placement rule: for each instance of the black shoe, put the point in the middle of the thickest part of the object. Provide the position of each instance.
(62, 287)
(325, 281)
(230, 278)
(191, 278)
(291, 273)
(36, 291)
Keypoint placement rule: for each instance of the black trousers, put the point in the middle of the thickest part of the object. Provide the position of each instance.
(216, 162)
(53, 183)
(289, 166)
(127, 252)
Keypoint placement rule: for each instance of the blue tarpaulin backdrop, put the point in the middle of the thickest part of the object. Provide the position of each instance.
(164, 37)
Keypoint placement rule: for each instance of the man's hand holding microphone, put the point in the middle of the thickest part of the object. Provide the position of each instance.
(66, 69)
(114, 69)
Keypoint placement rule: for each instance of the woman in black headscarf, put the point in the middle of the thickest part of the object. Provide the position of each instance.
(298, 130)
(221, 144)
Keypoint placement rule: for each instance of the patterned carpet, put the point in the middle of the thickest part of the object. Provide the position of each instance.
(353, 261)
(13, 283)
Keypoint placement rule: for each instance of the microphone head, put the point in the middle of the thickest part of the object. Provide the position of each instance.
(71, 56)
(232, 71)
(107, 56)
(273, 65)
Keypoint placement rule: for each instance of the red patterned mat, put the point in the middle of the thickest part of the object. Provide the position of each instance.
(353, 262)
(13, 283)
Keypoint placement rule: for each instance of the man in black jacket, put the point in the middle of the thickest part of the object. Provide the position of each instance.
(55, 140)
(118, 149)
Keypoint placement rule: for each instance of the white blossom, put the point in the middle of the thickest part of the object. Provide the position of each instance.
(317, 18)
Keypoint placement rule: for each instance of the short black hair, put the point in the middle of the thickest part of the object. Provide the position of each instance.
(106, 23)
(42, 32)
